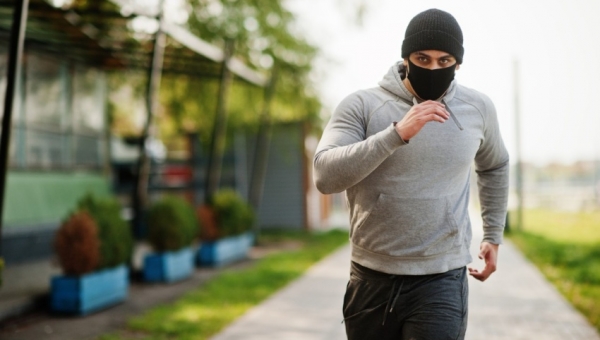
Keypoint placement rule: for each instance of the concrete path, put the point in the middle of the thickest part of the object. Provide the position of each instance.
(309, 308)
(515, 303)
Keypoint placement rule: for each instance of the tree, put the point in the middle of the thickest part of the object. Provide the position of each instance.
(264, 35)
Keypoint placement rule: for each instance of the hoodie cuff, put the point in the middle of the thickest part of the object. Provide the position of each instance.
(404, 141)
(493, 235)
(393, 136)
(389, 139)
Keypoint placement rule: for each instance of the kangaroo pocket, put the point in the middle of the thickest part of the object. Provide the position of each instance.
(407, 227)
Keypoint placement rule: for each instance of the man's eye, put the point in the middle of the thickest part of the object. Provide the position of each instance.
(422, 59)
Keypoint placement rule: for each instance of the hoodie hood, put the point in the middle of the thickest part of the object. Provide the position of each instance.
(392, 82)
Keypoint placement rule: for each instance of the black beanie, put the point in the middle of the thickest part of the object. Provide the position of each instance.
(433, 29)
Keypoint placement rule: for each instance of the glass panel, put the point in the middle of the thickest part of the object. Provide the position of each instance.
(88, 151)
(88, 100)
(44, 95)
(45, 149)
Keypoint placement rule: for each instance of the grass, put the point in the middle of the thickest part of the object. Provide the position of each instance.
(566, 248)
(573, 227)
(205, 311)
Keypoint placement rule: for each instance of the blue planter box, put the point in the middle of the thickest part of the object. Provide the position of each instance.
(90, 292)
(169, 266)
(224, 251)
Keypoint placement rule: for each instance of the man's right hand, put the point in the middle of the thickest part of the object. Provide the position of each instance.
(418, 116)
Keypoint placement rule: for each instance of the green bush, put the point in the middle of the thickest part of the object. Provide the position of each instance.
(172, 224)
(234, 216)
(116, 240)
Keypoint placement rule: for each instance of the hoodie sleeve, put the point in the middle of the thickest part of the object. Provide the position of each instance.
(492, 167)
(344, 155)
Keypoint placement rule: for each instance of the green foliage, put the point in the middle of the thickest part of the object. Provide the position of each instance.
(116, 240)
(172, 224)
(580, 262)
(262, 29)
(565, 246)
(576, 227)
(264, 39)
(205, 311)
(234, 216)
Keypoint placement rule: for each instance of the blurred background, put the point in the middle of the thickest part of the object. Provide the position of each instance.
(138, 99)
(522, 55)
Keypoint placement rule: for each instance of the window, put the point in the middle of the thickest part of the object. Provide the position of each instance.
(64, 107)
(88, 116)
(45, 91)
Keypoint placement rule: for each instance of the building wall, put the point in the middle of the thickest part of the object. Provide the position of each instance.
(36, 203)
(58, 149)
(284, 197)
(38, 198)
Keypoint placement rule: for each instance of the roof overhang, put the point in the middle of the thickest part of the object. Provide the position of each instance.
(103, 38)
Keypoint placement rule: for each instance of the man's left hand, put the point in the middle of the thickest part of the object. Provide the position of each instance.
(489, 253)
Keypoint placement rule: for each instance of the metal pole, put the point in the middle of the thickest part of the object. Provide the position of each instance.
(519, 164)
(261, 154)
(217, 145)
(17, 38)
(142, 174)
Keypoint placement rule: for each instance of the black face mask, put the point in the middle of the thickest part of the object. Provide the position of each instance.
(430, 84)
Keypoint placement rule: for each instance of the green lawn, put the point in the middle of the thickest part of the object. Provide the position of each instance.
(573, 227)
(208, 309)
(566, 248)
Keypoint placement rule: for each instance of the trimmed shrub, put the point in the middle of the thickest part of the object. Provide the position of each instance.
(172, 224)
(116, 240)
(234, 216)
(77, 244)
(207, 219)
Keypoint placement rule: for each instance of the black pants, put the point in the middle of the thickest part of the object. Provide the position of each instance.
(382, 306)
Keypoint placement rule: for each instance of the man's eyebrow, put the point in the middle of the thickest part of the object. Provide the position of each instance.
(445, 56)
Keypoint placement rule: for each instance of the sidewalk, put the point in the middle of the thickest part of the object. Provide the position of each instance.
(515, 303)
(309, 308)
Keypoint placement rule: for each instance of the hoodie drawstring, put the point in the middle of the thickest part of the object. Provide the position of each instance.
(390, 307)
(415, 102)
(453, 116)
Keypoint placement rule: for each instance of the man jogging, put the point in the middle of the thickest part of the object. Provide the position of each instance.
(403, 153)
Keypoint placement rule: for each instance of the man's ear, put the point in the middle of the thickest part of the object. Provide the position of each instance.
(457, 67)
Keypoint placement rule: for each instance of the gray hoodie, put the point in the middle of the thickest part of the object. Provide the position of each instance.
(409, 201)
